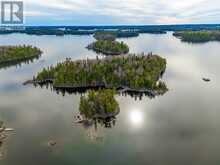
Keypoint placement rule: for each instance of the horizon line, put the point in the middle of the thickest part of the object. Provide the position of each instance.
(114, 25)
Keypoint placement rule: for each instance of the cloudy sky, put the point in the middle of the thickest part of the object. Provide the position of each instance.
(115, 12)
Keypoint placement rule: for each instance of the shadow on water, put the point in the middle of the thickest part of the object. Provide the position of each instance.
(82, 90)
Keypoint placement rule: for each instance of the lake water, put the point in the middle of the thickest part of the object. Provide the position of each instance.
(180, 128)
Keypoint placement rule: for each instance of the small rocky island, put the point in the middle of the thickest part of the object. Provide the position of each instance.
(99, 104)
(198, 36)
(13, 55)
(2, 129)
(137, 73)
(106, 44)
(3, 136)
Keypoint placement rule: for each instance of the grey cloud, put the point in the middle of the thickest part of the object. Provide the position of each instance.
(131, 11)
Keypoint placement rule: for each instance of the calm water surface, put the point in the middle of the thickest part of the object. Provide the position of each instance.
(182, 127)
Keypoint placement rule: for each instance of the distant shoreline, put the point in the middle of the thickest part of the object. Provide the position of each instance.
(92, 29)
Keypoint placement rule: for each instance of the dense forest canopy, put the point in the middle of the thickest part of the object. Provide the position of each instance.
(16, 54)
(99, 103)
(106, 44)
(198, 36)
(132, 71)
(109, 47)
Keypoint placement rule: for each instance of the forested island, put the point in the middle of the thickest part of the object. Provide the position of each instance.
(99, 104)
(106, 44)
(198, 36)
(109, 47)
(138, 73)
(13, 55)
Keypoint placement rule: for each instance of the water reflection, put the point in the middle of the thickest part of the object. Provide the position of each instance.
(136, 118)
(103, 122)
(94, 134)
(18, 63)
(79, 91)
(94, 128)
(180, 128)
(140, 95)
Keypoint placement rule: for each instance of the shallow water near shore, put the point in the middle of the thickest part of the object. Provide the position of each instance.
(180, 127)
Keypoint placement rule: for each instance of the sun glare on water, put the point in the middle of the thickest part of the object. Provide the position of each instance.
(136, 118)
